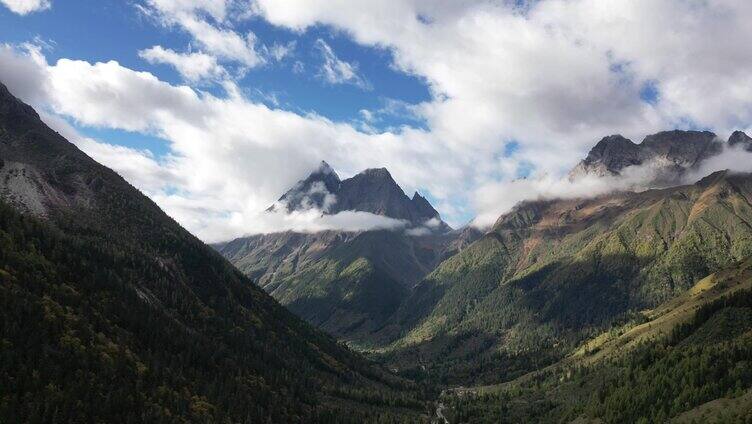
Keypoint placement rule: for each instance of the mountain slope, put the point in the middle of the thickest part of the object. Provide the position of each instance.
(348, 283)
(111, 312)
(684, 361)
(552, 272)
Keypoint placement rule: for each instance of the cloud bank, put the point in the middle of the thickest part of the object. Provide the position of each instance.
(550, 77)
(500, 197)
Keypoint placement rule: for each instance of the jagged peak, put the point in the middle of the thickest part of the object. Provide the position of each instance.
(740, 137)
(377, 172)
(324, 168)
(610, 143)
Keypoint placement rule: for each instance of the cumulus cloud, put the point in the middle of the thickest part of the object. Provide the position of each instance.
(24, 70)
(229, 157)
(191, 66)
(216, 36)
(24, 7)
(553, 77)
(336, 71)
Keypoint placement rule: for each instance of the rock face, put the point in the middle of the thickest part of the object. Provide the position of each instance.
(738, 138)
(317, 191)
(373, 191)
(669, 154)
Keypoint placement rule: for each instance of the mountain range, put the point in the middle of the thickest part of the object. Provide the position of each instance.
(667, 155)
(348, 282)
(630, 306)
(542, 281)
(112, 312)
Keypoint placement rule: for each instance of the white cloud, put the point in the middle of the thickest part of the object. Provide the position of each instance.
(230, 157)
(336, 71)
(216, 37)
(555, 77)
(24, 70)
(734, 159)
(281, 51)
(312, 220)
(191, 66)
(494, 199)
(24, 7)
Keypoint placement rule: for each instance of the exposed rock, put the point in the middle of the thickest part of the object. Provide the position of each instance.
(739, 138)
(373, 190)
(669, 154)
(316, 191)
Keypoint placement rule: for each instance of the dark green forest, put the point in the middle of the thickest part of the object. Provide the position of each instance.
(707, 358)
(97, 331)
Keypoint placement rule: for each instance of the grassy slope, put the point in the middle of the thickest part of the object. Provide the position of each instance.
(682, 364)
(553, 273)
(348, 284)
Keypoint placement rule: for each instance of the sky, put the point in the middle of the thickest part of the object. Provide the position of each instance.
(213, 108)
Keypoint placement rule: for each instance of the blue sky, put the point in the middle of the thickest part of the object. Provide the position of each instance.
(213, 108)
(104, 30)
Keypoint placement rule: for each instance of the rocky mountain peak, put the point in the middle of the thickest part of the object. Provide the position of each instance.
(374, 190)
(670, 153)
(682, 147)
(423, 206)
(313, 192)
(610, 155)
(740, 138)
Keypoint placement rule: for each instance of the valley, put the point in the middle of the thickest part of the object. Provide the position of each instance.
(563, 310)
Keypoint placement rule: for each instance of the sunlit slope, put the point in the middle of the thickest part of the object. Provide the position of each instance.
(552, 273)
(687, 359)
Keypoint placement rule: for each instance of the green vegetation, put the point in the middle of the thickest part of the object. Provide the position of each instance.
(94, 330)
(552, 274)
(111, 312)
(702, 362)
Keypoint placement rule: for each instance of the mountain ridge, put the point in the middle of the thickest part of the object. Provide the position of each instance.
(111, 306)
(372, 190)
(348, 282)
(669, 153)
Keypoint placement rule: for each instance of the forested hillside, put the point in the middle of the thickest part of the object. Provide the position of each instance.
(111, 312)
(552, 273)
(688, 362)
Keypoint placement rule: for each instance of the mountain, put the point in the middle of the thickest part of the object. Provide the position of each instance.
(373, 191)
(668, 154)
(739, 138)
(316, 191)
(684, 361)
(348, 283)
(551, 273)
(111, 312)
